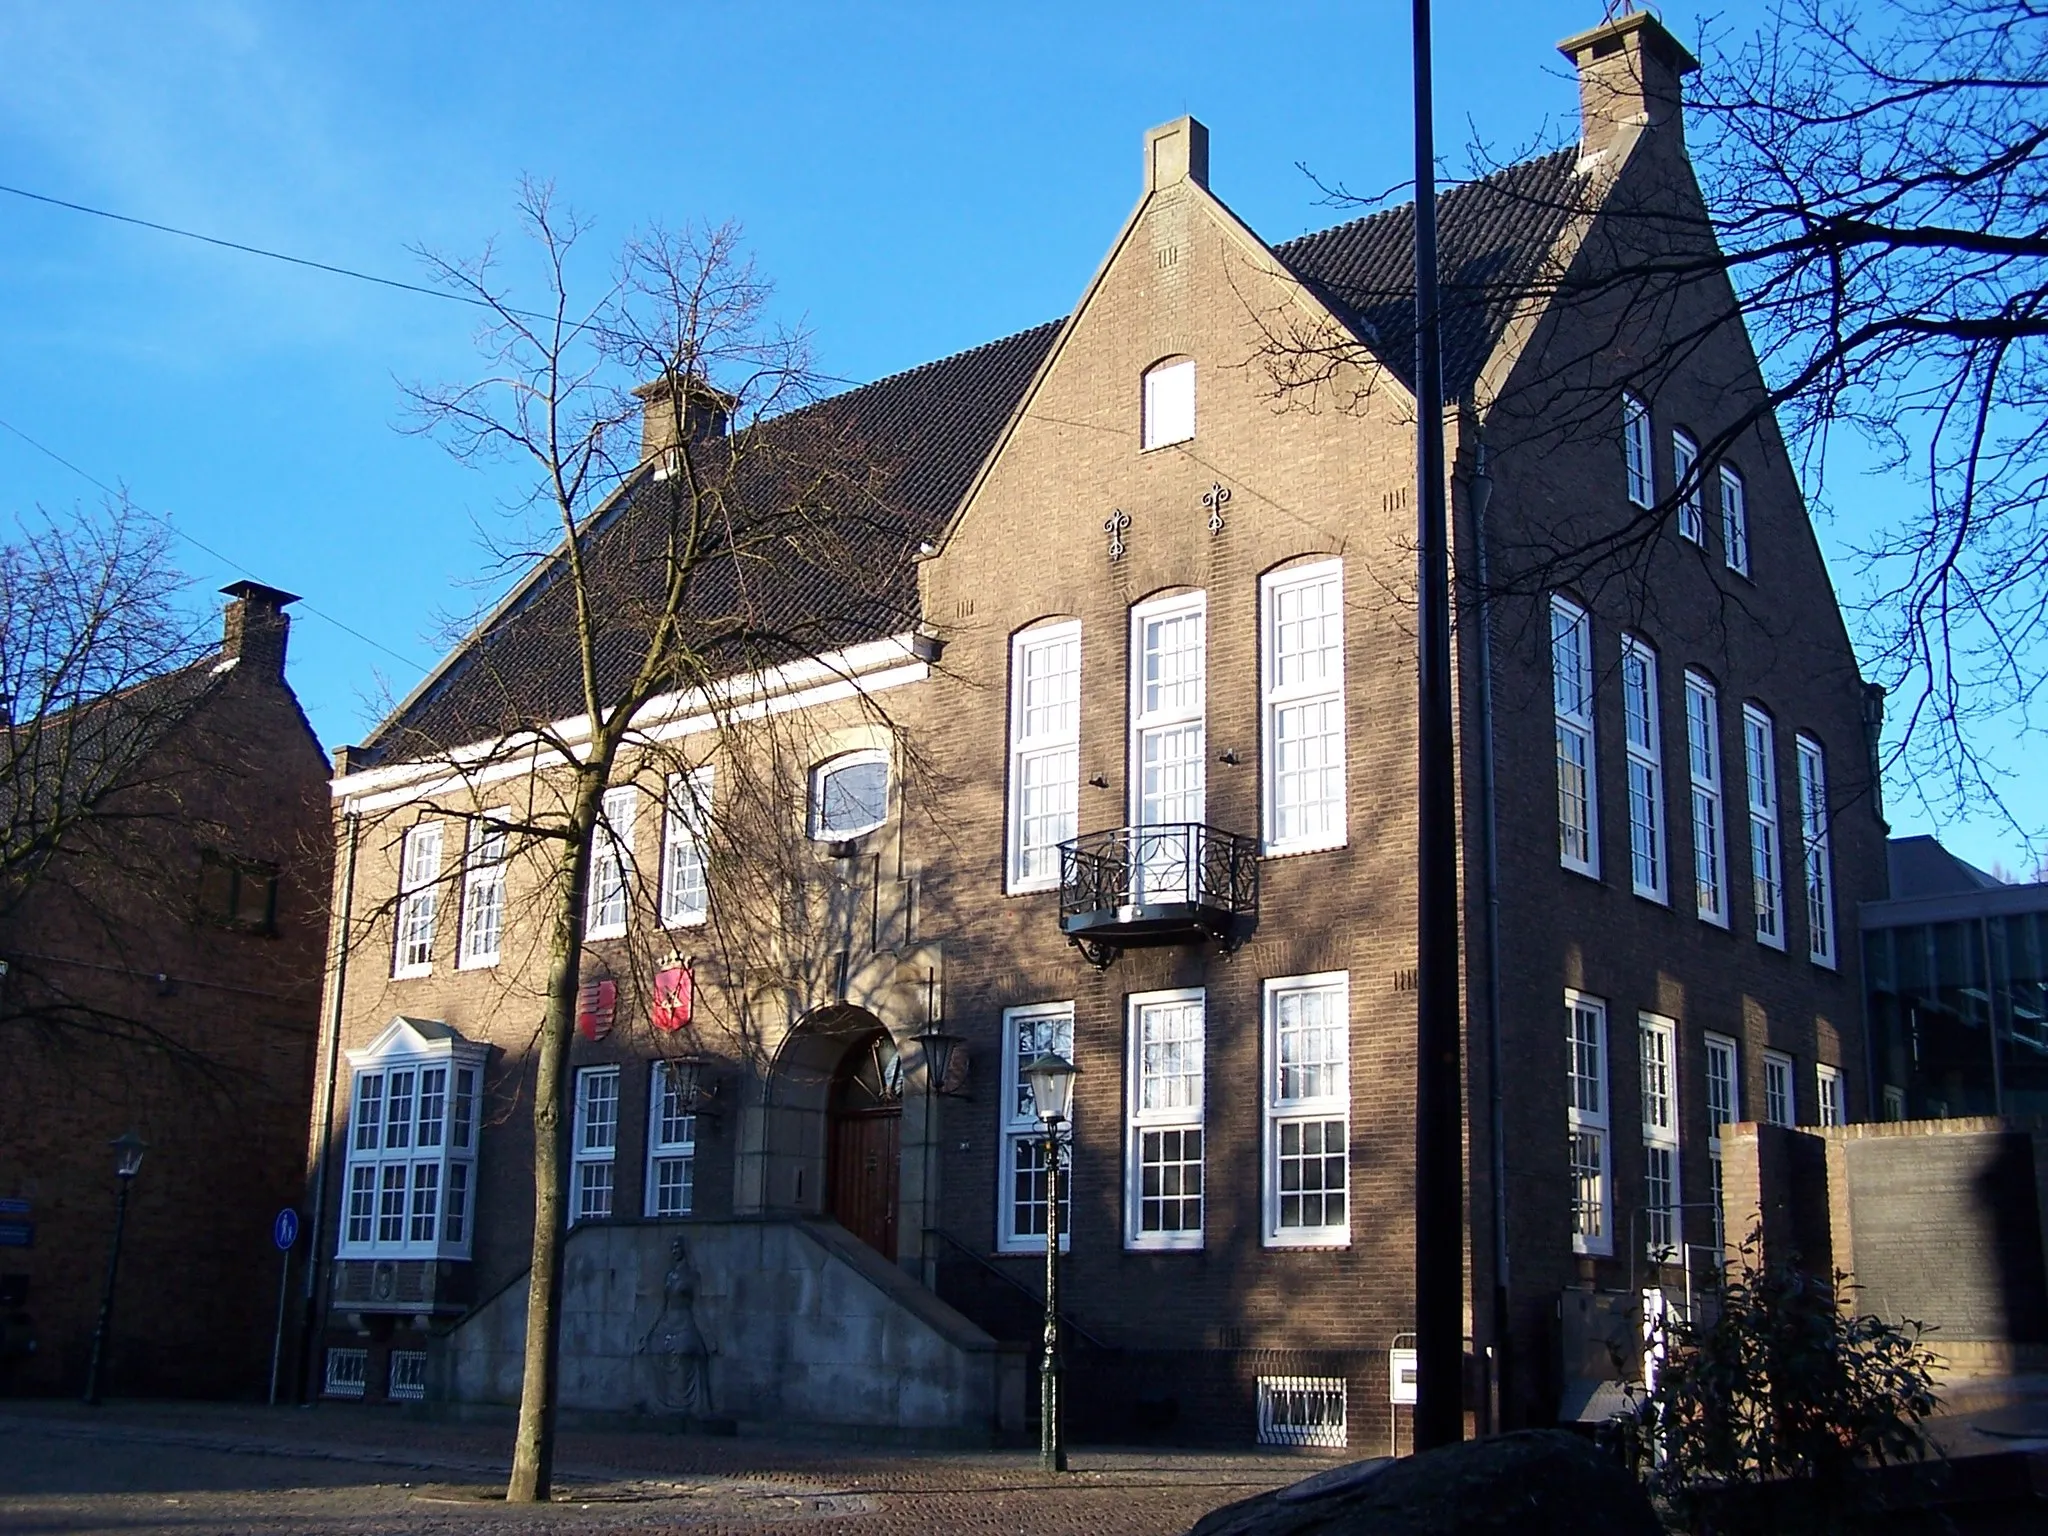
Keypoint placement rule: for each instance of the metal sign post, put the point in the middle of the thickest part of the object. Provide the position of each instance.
(284, 1232)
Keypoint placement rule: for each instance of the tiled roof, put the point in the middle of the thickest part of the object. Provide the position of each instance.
(916, 439)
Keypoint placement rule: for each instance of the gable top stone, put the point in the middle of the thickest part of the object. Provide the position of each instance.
(927, 432)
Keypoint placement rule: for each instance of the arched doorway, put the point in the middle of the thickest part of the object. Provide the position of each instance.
(864, 1148)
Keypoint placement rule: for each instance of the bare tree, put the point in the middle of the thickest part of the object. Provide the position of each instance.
(704, 526)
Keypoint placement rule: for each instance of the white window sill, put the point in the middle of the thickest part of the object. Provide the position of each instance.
(687, 920)
(1658, 897)
(1593, 1247)
(1590, 871)
(1037, 886)
(478, 963)
(398, 1252)
(1293, 850)
(1032, 1247)
(1769, 943)
(1715, 920)
(1822, 963)
(1153, 1242)
(618, 932)
(1326, 1239)
(411, 972)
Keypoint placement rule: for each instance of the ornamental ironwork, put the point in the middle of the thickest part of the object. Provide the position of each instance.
(1216, 498)
(1160, 883)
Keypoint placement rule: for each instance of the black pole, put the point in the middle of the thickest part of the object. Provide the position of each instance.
(1052, 1448)
(1439, 1171)
(99, 1333)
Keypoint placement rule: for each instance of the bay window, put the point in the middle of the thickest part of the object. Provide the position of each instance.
(409, 1176)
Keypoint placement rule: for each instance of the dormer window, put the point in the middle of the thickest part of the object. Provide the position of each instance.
(1170, 403)
(849, 795)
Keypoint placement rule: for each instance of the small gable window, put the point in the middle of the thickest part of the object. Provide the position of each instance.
(238, 893)
(849, 795)
(1170, 403)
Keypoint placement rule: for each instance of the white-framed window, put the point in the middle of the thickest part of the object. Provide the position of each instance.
(1645, 769)
(849, 795)
(1703, 761)
(1894, 1102)
(1169, 403)
(671, 1139)
(1659, 1058)
(1635, 442)
(412, 1135)
(1303, 1410)
(1029, 1033)
(594, 1147)
(1766, 873)
(408, 1380)
(1169, 742)
(1586, 1120)
(483, 892)
(1301, 668)
(1779, 1105)
(685, 823)
(1734, 521)
(1685, 458)
(611, 865)
(1820, 879)
(1165, 1191)
(348, 1373)
(1308, 1110)
(419, 891)
(1827, 1086)
(1571, 670)
(1724, 1107)
(1045, 751)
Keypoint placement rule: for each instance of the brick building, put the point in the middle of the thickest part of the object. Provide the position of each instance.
(166, 984)
(1137, 784)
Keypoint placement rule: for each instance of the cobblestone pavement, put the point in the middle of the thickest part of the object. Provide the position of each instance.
(189, 1469)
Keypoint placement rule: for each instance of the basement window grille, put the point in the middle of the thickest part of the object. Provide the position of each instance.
(408, 1376)
(348, 1372)
(1302, 1410)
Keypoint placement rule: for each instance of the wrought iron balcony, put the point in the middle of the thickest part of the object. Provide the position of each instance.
(1167, 883)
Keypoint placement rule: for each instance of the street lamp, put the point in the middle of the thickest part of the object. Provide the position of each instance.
(128, 1149)
(1051, 1078)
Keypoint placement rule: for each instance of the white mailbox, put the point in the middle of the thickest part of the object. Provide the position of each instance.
(1401, 1377)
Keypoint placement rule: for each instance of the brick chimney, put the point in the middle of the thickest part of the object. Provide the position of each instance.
(706, 413)
(1629, 73)
(254, 629)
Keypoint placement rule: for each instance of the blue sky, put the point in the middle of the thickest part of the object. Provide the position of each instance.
(916, 179)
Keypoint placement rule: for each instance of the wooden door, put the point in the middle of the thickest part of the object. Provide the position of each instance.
(863, 1173)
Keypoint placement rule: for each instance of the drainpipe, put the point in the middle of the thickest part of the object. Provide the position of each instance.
(1479, 491)
(324, 1124)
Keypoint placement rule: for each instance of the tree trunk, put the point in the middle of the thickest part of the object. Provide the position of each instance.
(533, 1450)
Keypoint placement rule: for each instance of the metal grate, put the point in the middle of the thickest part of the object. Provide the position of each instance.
(408, 1376)
(1302, 1410)
(348, 1372)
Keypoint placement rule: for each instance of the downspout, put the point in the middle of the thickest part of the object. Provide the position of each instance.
(1479, 491)
(324, 1126)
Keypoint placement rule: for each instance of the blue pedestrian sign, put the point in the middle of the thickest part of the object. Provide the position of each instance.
(285, 1230)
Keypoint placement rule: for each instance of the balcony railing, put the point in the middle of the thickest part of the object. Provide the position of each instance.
(1167, 883)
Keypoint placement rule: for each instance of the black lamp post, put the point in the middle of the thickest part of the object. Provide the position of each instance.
(128, 1150)
(1051, 1078)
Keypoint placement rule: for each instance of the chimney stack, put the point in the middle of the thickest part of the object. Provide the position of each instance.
(1629, 73)
(706, 413)
(254, 630)
(1175, 152)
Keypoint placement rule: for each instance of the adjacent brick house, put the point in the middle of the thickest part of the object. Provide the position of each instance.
(172, 995)
(1142, 790)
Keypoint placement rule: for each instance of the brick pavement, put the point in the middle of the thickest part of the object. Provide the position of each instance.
(178, 1469)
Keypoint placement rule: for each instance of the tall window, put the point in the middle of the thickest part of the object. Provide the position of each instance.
(411, 1145)
(1724, 1107)
(1813, 825)
(483, 892)
(1685, 458)
(419, 875)
(1308, 1110)
(1734, 522)
(1586, 1124)
(1169, 403)
(1045, 751)
(1635, 438)
(1301, 665)
(595, 1144)
(1767, 880)
(1645, 768)
(1703, 753)
(611, 865)
(1029, 1033)
(1169, 737)
(1659, 1052)
(1827, 1083)
(1779, 1108)
(671, 1139)
(685, 887)
(1571, 668)
(1163, 1203)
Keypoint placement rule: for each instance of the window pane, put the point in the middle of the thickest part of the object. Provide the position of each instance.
(1170, 1057)
(1312, 1163)
(1169, 404)
(1170, 1171)
(426, 1191)
(853, 798)
(455, 1220)
(398, 1111)
(1036, 1036)
(369, 1110)
(433, 1104)
(391, 1205)
(1310, 1043)
(465, 1100)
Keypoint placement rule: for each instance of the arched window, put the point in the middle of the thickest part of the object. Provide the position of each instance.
(1169, 403)
(849, 795)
